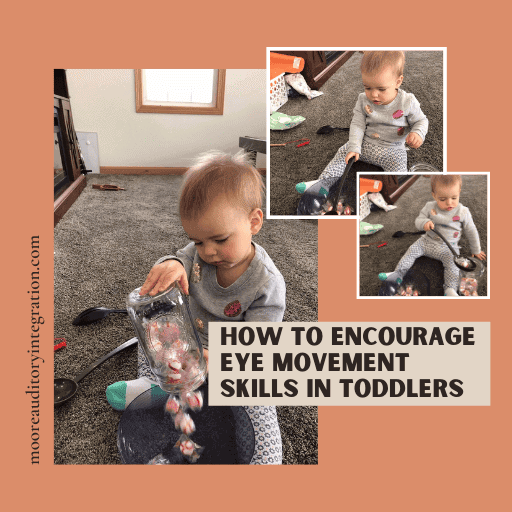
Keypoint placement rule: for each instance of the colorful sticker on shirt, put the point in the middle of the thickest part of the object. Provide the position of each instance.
(233, 309)
(401, 130)
(368, 109)
(196, 273)
(433, 212)
(456, 217)
(397, 114)
(456, 234)
(375, 136)
(199, 324)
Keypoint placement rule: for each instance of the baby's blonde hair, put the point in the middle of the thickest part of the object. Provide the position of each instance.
(375, 61)
(445, 180)
(217, 173)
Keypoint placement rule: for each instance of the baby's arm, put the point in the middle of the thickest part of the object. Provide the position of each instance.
(423, 220)
(169, 269)
(269, 302)
(419, 125)
(357, 128)
(473, 237)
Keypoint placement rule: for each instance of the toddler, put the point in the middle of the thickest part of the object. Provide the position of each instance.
(451, 219)
(385, 118)
(226, 275)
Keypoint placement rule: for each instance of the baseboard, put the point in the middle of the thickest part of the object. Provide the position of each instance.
(143, 170)
(151, 170)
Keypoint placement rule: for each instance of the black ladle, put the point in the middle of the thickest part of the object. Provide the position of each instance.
(334, 210)
(94, 314)
(400, 234)
(64, 389)
(329, 129)
(471, 265)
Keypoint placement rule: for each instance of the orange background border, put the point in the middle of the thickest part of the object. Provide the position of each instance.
(370, 458)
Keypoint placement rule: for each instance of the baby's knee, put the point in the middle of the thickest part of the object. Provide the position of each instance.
(343, 151)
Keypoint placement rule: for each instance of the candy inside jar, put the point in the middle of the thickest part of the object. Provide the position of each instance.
(469, 280)
(468, 286)
(407, 290)
(341, 209)
(168, 338)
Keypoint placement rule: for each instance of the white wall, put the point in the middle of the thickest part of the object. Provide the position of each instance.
(103, 101)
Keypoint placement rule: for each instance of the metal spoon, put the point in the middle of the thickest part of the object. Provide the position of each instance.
(400, 234)
(94, 314)
(329, 129)
(324, 194)
(458, 260)
(64, 389)
(334, 210)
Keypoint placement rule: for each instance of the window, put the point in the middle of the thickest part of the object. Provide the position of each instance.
(180, 91)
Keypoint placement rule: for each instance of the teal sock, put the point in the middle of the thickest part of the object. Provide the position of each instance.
(390, 276)
(304, 185)
(122, 393)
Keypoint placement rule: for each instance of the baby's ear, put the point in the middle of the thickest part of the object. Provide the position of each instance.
(256, 219)
(399, 81)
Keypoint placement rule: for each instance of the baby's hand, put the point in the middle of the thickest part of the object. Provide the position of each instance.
(414, 140)
(163, 275)
(480, 256)
(350, 155)
(428, 225)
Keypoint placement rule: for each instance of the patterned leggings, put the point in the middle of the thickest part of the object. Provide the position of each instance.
(427, 247)
(268, 448)
(390, 159)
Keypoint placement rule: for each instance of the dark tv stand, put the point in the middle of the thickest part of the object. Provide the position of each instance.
(318, 67)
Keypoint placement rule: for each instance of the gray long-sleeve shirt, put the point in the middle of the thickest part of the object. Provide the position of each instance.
(258, 295)
(386, 125)
(450, 224)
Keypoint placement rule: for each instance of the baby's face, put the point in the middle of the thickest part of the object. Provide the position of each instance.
(447, 196)
(222, 234)
(381, 86)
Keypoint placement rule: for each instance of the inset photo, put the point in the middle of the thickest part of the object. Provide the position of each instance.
(426, 236)
(337, 112)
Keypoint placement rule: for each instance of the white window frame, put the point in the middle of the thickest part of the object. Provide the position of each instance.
(217, 108)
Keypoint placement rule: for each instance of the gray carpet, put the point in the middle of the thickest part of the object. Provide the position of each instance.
(423, 76)
(374, 260)
(104, 247)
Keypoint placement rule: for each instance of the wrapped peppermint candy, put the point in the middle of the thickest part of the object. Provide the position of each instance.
(173, 405)
(192, 399)
(158, 460)
(407, 290)
(190, 450)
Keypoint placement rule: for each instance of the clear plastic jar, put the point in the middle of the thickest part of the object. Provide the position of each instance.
(469, 281)
(164, 326)
(423, 167)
